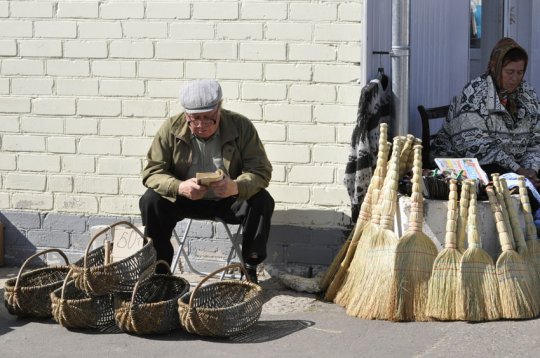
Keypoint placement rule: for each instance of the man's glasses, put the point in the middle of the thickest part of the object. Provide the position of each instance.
(202, 120)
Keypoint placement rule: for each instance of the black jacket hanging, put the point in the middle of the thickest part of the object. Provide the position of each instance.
(374, 107)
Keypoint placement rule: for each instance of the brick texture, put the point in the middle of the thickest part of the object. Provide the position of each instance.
(84, 85)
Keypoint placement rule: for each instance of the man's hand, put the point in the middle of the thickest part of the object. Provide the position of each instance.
(225, 187)
(531, 175)
(191, 190)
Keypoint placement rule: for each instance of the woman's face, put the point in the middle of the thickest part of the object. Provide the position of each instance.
(512, 75)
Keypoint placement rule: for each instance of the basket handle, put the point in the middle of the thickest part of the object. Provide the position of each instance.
(36, 255)
(101, 232)
(211, 274)
(136, 287)
(65, 282)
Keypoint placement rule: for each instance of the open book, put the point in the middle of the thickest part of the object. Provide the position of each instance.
(209, 177)
(466, 167)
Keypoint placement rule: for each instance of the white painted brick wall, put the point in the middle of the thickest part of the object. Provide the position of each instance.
(84, 86)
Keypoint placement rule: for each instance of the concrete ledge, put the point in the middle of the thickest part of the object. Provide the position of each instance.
(435, 222)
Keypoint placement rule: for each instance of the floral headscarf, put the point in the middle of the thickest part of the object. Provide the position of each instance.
(496, 63)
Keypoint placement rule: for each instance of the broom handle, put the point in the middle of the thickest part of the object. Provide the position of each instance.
(389, 193)
(472, 218)
(416, 216)
(502, 204)
(410, 160)
(527, 210)
(372, 194)
(504, 238)
(405, 154)
(377, 197)
(514, 221)
(451, 217)
(463, 214)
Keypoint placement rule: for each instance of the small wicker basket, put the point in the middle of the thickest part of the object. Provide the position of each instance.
(221, 309)
(92, 275)
(153, 307)
(28, 295)
(74, 308)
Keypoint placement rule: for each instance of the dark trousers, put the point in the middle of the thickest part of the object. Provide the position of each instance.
(159, 216)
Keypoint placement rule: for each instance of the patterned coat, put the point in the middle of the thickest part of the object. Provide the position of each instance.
(479, 126)
(374, 107)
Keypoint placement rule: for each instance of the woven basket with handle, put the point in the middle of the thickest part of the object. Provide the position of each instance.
(91, 274)
(74, 308)
(221, 309)
(28, 295)
(153, 307)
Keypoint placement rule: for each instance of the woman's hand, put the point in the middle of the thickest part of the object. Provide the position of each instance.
(225, 187)
(191, 190)
(531, 175)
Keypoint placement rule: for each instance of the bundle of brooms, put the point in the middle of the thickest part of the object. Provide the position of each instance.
(374, 259)
(337, 272)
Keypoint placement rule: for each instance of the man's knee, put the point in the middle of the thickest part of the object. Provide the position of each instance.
(262, 200)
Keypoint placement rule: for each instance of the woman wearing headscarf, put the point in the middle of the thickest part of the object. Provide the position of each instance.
(496, 118)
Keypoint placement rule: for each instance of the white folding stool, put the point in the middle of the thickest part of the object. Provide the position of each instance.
(234, 251)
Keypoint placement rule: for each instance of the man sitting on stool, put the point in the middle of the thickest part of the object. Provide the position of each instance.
(205, 138)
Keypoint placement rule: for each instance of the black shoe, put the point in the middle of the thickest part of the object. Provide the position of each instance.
(252, 273)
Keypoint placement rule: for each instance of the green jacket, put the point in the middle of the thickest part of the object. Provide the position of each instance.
(244, 157)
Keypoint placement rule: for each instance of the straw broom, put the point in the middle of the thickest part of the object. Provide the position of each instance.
(515, 282)
(479, 287)
(337, 277)
(415, 253)
(462, 217)
(443, 290)
(533, 244)
(371, 296)
(517, 231)
(506, 217)
(519, 238)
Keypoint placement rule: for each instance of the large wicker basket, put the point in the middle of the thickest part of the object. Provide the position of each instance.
(28, 295)
(74, 308)
(221, 309)
(92, 275)
(153, 308)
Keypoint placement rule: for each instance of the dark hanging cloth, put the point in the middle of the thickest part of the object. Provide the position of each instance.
(374, 107)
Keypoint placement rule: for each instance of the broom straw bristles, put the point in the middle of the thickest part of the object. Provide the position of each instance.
(444, 288)
(415, 253)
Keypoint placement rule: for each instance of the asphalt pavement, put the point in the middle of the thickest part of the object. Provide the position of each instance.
(310, 328)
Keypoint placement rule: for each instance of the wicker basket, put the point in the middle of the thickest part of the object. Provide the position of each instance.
(153, 308)
(74, 308)
(92, 275)
(28, 295)
(221, 309)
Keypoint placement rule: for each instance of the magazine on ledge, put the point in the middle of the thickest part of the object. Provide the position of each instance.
(467, 167)
(209, 177)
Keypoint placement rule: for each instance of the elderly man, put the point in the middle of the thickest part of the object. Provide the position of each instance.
(205, 138)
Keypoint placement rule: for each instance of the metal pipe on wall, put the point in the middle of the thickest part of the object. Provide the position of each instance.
(400, 64)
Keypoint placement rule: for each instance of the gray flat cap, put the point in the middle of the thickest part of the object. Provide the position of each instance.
(200, 96)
